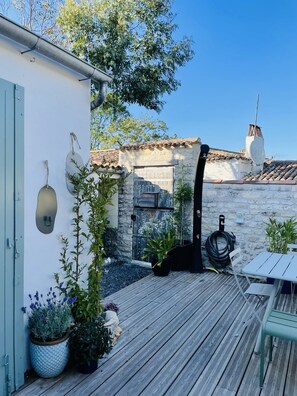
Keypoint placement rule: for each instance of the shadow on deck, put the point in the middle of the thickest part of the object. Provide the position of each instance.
(182, 335)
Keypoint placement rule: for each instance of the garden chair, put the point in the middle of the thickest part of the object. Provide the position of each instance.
(261, 290)
(292, 249)
(278, 324)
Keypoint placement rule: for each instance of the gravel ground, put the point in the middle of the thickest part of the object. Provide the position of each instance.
(117, 276)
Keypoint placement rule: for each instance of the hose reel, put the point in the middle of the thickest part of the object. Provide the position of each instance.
(219, 244)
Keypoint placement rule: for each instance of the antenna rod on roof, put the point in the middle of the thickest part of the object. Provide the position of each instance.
(257, 107)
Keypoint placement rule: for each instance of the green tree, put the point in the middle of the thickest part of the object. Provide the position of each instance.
(134, 40)
(37, 15)
(110, 131)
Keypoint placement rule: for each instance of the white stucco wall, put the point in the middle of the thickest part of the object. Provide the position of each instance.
(232, 169)
(56, 103)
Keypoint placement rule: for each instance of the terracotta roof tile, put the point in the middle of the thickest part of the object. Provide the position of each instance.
(222, 155)
(179, 142)
(105, 158)
(275, 171)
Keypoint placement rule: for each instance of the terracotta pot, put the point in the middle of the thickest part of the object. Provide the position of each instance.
(49, 359)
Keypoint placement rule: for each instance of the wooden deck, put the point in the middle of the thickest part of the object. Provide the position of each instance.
(182, 335)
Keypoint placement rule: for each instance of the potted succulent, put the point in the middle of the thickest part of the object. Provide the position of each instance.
(161, 238)
(89, 341)
(49, 322)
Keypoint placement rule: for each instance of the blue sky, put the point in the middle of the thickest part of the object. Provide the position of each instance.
(242, 48)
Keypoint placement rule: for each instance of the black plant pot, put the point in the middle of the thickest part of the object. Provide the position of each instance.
(88, 368)
(181, 256)
(163, 269)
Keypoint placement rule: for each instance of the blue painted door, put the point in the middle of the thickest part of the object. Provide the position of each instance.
(11, 237)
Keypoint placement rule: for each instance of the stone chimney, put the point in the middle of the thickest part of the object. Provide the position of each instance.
(254, 130)
(254, 147)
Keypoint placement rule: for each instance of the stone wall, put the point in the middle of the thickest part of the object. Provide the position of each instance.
(246, 207)
(184, 161)
(125, 229)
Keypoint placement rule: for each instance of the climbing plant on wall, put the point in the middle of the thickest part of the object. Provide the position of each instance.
(92, 192)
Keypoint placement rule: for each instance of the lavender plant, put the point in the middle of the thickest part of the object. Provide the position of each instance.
(49, 317)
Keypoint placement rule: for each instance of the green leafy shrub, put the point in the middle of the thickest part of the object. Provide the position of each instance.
(280, 234)
(89, 341)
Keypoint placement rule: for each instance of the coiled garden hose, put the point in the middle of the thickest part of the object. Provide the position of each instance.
(218, 246)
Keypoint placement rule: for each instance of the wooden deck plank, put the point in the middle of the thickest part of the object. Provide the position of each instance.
(179, 338)
(232, 377)
(208, 380)
(161, 316)
(193, 355)
(140, 300)
(145, 286)
(161, 295)
(250, 380)
(234, 371)
(227, 328)
(291, 383)
(147, 343)
(274, 381)
(180, 349)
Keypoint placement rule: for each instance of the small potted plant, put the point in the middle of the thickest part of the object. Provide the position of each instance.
(49, 322)
(182, 197)
(161, 238)
(279, 234)
(181, 254)
(89, 341)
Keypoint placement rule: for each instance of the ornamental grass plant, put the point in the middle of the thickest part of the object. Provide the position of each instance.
(49, 317)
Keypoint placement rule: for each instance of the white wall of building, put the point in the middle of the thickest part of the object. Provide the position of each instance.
(231, 169)
(56, 103)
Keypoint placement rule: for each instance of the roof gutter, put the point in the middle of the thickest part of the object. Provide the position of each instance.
(34, 42)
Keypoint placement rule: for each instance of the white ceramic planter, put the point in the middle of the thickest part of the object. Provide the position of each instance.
(50, 358)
